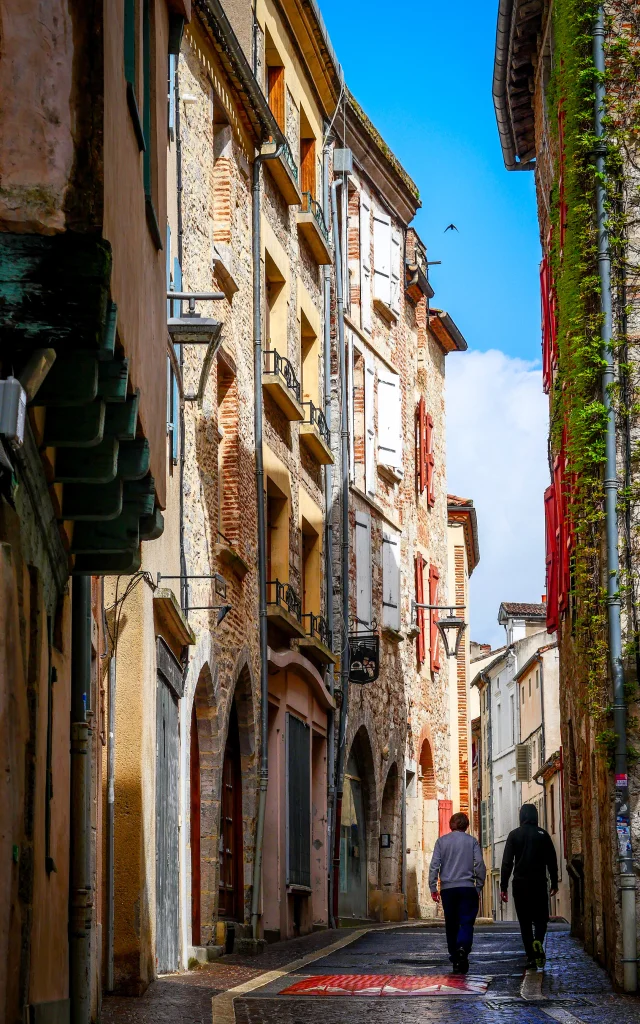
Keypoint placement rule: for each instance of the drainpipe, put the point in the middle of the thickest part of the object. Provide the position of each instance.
(328, 533)
(344, 457)
(487, 681)
(80, 889)
(262, 535)
(111, 742)
(627, 878)
(184, 583)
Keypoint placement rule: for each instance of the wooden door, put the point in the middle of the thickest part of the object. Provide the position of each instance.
(167, 853)
(196, 928)
(230, 892)
(308, 166)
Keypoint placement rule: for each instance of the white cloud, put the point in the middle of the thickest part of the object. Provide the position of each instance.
(497, 419)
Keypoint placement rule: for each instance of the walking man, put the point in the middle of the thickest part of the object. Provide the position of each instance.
(457, 859)
(529, 852)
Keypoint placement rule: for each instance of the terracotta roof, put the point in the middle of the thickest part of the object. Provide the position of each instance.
(445, 331)
(524, 610)
(453, 499)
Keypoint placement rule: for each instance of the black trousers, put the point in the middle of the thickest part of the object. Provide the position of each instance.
(460, 907)
(532, 907)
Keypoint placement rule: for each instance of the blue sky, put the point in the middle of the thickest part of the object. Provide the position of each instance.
(423, 75)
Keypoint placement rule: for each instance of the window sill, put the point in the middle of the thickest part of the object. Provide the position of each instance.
(385, 311)
(394, 635)
(285, 180)
(222, 262)
(390, 473)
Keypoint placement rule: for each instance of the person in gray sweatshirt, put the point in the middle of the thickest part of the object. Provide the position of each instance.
(457, 860)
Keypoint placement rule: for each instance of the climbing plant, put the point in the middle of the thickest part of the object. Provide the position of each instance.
(578, 415)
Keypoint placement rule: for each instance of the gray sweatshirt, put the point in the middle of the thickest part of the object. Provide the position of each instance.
(457, 858)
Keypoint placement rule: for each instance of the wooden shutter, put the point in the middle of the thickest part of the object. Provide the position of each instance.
(308, 166)
(396, 264)
(369, 426)
(445, 810)
(562, 530)
(389, 420)
(298, 742)
(523, 762)
(171, 97)
(168, 270)
(382, 256)
(275, 85)
(364, 610)
(391, 579)
(421, 430)
(421, 639)
(434, 636)
(551, 559)
(431, 491)
(350, 399)
(365, 262)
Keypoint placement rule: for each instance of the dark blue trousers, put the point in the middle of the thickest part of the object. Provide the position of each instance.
(460, 907)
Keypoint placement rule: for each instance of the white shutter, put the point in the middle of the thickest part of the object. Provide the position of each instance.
(391, 580)
(351, 383)
(365, 262)
(369, 426)
(382, 257)
(396, 263)
(389, 420)
(364, 610)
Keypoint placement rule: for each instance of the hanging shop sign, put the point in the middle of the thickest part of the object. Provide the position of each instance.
(364, 657)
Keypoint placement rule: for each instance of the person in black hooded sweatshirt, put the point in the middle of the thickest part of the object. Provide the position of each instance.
(529, 852)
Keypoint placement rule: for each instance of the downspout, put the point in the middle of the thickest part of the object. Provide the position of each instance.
(111, 741)
(262, 534)
(328, 533)
(627, 878)
(344, 458)
(80, 889)
(487, 680)
(184, 583)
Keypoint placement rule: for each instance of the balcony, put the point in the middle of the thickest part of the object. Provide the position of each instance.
(284, 172)
(279, 381)
(284, 608)
(318, 639)
(315, 435)
(312, 227)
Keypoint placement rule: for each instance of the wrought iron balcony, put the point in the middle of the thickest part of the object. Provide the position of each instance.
(287, 155)
(319, 629)
(284, 171)
(318, 639)
(312, 227)
(315, 434)
(279, 379)
(284, 608)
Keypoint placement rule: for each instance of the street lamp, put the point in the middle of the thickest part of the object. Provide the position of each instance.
(450, 625)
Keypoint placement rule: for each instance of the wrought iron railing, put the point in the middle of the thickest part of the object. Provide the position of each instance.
(311, 205)
(316, 418)
(285, 597)
(319, 629)
(282, 367)
(288, 156)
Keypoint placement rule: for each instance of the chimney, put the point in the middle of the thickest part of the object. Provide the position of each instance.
(544, 598)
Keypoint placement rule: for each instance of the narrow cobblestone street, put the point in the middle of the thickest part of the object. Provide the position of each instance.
(573, 989)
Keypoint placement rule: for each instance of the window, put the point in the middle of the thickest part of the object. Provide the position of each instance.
(308, 182)
(552, 809)
(434, 642)
(309, 362)
(537, 679)
(512, 719)
(500, 811)
(311, 567)
(276, 307)
(523, 695)
(529, 685)
(275, 82)
(370, 426)
(298, 741)
(364, 611)
(277, 537)
(391, 580)
(390, 421)
(425, 460)
(228, 454)
(387, 252)
(174, 283)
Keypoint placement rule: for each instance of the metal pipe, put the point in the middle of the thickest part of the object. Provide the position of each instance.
(184, 586)
(111, 731)
(344, 459)
(262, 546)
(80, 888)
(627, 877)
(328, 535)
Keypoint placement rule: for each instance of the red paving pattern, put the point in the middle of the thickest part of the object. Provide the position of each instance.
(387, 985)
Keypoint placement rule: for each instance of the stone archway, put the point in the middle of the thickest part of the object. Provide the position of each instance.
(204, 758)
(359, 832)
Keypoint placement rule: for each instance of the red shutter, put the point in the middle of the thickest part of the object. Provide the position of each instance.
(434, 641)
(445, 810)
(562, 529)
(431, 494)
(551, 558)
(421, 638)
(546, 324)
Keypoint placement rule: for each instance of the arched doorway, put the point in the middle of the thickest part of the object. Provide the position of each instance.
(203, 741)
(230, 847)
(358, 811)
(430, 825)
(391, 834)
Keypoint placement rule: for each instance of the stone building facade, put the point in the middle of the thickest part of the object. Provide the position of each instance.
(397, 746)
(544, 56)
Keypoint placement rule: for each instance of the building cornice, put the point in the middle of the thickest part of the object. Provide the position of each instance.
(517, 39)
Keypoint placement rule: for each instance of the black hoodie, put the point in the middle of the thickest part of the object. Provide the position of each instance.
(532, 851)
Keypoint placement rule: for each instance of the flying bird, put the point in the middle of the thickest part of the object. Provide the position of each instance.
(451, 227)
